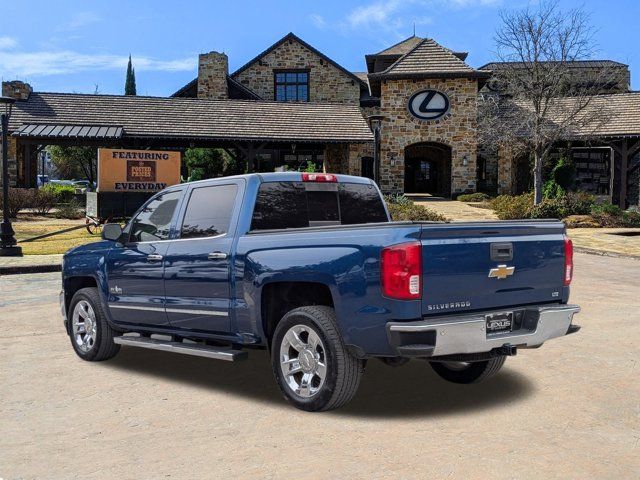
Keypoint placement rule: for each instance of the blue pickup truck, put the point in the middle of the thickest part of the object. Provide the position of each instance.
(310, 267)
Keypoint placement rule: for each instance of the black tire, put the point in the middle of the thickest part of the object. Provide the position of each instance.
(102, 346)
(343, 370)
(474, 372)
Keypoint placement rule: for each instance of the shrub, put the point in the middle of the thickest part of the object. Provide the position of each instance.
(71, 210)
(397, 199)
(19, 199)
(43, 201)
(508, 207)
(473, 197)
(579, 203)
(413, 212)
(606, 209)
(631, 218)
(551, 189)
(62, 193)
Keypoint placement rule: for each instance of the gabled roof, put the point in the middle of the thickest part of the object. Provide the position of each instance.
(429, 59)
(236, 90)
(188, 119)
(292, 37)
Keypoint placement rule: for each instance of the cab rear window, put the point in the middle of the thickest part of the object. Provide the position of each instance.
(281, 205)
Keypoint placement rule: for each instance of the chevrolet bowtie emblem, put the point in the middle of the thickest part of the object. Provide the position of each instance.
(501, 271)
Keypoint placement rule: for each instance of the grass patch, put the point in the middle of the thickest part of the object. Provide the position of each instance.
(32, 226)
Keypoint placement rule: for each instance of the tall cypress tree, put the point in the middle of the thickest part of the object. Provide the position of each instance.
(130, 82)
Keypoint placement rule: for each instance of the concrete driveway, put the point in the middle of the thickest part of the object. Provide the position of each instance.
(568, 410)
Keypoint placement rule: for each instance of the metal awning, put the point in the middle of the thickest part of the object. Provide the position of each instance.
(69, 131)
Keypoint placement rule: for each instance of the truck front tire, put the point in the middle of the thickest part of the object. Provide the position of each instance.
(312, 366)
(91, 335)
(472, 372)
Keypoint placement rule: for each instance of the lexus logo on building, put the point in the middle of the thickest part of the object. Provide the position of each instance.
(428, 104)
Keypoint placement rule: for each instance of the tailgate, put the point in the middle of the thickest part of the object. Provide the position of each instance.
(477, 266)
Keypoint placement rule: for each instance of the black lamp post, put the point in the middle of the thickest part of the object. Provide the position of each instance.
(8, 242)
(376, 122)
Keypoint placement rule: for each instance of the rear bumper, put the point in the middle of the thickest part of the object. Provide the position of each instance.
(466, 334)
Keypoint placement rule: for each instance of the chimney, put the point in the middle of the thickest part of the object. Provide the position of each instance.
(16, 89)
(213, 68)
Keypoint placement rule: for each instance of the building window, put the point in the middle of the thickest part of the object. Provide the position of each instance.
(292, 86)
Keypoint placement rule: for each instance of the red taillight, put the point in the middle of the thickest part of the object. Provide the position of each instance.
(568, 260)
(401, 271)
(319, 177)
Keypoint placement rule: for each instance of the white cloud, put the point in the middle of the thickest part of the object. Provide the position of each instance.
(379, 12)
(22, 64)
(82, 19)
(393, 14)
(7, 43)
(318, 20)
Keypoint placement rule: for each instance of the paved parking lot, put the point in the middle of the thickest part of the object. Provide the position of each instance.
(568, 410)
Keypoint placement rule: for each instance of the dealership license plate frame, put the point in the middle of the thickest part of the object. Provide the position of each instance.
(506, 326)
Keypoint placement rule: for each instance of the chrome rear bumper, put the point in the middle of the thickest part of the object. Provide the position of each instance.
(466, 334)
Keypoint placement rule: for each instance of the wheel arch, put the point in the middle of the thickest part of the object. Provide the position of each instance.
(279, 297)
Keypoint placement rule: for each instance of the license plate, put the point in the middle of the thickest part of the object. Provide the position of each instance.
(499, 322)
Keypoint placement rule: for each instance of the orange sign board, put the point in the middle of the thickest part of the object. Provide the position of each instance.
(137, 170)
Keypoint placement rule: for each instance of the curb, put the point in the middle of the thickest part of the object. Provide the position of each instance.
(20, 269)
(602, 253)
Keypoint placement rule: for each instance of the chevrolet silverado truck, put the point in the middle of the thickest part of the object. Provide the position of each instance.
(310, 267)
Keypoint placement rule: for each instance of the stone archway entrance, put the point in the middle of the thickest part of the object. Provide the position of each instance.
(427, 169)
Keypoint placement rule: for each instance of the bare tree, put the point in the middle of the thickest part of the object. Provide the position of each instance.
(538, 96)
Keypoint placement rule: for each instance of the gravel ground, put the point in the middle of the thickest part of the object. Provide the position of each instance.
(568, 410)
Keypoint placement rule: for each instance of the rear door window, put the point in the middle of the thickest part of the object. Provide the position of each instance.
(209, 211)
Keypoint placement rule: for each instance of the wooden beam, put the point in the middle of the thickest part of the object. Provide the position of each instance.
(624, 160)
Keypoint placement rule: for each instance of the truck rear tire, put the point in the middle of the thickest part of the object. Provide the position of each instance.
(91, 335)
(312, 366)
(472, 372)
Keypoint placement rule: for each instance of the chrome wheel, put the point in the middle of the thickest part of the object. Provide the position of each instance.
(84, 325)
(303, 361)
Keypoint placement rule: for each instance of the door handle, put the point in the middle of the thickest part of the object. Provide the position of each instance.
(217, 256)
(154, 257)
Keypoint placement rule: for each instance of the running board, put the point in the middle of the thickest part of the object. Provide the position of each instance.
(198, 350)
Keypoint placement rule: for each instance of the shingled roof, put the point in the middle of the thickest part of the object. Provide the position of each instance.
(192, 118)
(494, 66)
(430, 59)
(620, 112)
(402, 47)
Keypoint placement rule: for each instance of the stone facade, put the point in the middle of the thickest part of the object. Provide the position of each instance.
(16, 89)
(213, 68)
(327, 83)
(457, 130)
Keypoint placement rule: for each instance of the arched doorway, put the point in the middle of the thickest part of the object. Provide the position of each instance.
(427, 169)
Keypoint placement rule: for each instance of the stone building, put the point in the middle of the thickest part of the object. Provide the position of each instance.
(292, 105)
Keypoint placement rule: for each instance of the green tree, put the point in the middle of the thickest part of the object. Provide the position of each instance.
(75, 162)
(130, 82)
(207, 163)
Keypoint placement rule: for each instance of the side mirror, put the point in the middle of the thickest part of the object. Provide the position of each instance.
(112, 231)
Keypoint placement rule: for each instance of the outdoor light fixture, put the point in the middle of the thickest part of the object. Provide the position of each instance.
(465, 160)
(8, 242)
(375, 121)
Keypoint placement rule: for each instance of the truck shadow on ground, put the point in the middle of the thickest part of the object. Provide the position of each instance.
(412, 390)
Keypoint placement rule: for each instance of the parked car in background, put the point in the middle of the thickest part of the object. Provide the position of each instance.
(310, 267)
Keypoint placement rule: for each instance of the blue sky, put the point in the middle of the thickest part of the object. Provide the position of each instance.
(74, 45)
